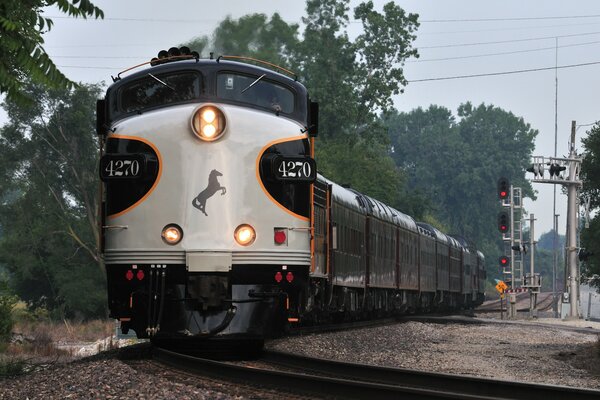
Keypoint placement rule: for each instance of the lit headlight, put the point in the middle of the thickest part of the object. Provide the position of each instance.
(208, 123)
(172, 234)
(244, 235)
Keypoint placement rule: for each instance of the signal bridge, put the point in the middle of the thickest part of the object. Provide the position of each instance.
(557, 168)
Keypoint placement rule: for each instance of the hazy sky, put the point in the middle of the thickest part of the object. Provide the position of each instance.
(456, 38)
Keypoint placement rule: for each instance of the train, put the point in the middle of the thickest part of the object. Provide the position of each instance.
(216, 225)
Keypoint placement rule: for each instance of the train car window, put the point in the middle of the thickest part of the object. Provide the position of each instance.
(157, 90)
(256, 91)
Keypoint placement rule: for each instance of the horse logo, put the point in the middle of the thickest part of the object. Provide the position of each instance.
(213, 187)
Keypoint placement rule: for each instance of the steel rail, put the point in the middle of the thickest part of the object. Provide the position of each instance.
(459, 385)
(310, 385)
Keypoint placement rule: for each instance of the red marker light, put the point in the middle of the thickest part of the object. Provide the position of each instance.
(140, 275)
(289, 277)
(129, 275)
(278, 277)
(280, 237)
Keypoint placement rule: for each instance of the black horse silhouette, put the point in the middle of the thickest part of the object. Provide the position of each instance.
(213, 186)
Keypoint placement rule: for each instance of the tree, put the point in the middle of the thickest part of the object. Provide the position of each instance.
(354, 80)
(590, 175)
(48, 183)
(21, 52)
(253, 35)
(466, 157)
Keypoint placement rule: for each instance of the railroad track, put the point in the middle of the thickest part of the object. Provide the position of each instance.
(324, 378)
(544, 303)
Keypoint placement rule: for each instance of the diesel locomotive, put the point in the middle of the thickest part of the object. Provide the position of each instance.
(215, 223)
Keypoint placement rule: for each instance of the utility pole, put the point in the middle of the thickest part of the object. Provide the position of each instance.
(554, 264)
(533, 281)
(556, 167)
(572, 233)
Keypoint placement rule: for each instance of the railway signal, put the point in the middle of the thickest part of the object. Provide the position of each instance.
(555, 169)
(503, 188)
(537, 169)
(504, 261)
(520, 248)
(503, 222)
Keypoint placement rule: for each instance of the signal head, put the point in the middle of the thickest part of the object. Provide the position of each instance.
(503, 222)
(503, 188)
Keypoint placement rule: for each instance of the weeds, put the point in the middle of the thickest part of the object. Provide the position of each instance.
(11, 366)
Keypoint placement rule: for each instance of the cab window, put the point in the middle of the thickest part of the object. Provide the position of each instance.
(255, 90)
(156, 90)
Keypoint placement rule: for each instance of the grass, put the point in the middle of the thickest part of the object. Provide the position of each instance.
(47, 341)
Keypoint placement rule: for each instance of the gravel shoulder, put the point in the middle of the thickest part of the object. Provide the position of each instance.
(517, 352)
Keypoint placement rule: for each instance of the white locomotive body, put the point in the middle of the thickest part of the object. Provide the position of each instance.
(206, 228)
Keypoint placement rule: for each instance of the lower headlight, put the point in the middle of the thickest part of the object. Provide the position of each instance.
(172, 234)
(244, 235)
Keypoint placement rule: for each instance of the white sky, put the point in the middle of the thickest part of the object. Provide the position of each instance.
(133, 31)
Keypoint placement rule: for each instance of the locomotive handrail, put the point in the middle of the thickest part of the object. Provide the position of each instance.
(172, 58)
(287, 71)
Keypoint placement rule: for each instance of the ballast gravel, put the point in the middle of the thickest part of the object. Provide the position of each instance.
(516, 352)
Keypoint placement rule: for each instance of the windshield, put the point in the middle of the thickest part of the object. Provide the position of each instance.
(157, 90)
(256, 91)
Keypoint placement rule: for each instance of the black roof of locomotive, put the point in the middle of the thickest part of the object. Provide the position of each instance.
(209, 69)
(211, 65)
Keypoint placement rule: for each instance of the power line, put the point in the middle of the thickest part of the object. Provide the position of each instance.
(508, 41)
(520, 71)
(520, 28)
(509, 19)
(124, 19)
(502, 53)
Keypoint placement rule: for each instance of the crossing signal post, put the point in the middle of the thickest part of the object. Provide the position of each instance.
(509, 225)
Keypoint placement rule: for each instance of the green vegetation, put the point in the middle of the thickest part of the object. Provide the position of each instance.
(590, 174)
(455, 162)
(48, 178)
(22, 53)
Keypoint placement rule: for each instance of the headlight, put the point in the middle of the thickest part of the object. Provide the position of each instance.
(208, 123)
(244, 235)
(172, 234)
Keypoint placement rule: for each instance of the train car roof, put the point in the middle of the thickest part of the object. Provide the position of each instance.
(439, 235)
(466, 244)
(370, 206)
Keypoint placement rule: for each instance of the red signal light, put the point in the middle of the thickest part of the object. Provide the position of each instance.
(504, 261)
(503, 188)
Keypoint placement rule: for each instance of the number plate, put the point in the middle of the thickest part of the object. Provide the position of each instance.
(297, 169)
(121, 166)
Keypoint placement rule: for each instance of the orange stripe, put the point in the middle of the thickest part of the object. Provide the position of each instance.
(260, 153)
(313, 259)
(140, 201)
(293, 319)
